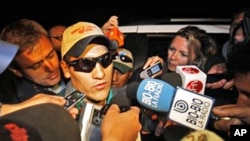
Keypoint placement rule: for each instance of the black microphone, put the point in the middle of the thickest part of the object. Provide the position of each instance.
(91, 116)
(151, 115)
(122, 101)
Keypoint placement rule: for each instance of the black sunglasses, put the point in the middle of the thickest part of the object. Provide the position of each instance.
(88, 64)
(124, 58)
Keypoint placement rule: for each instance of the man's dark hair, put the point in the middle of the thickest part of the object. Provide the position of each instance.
(239, 62)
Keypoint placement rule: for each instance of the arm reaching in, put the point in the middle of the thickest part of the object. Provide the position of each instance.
(110, 24)
(123, 126)
(35, 100)
(238, 114)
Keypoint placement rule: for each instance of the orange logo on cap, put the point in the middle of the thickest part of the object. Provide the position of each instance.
(83, 29)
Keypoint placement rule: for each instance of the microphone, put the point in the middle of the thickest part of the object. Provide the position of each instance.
(193, 78)
(152, 116)
(184, 106)
(169, 81)
(122, 101)
(155, 94)
(91, 116)
(172, 78)
(124, 104)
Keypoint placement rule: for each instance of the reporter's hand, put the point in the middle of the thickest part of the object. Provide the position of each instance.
(74, 112)
(110, 24)
(118, 126)
(151, 61)
(223, 83)
(35, 100)
(238, 114)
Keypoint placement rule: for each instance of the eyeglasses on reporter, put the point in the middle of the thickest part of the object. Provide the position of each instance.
(87, 64)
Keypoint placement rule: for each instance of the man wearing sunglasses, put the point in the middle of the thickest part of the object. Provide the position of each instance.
(24, 121)
(123, 69)
(36, 66)
(87, 56)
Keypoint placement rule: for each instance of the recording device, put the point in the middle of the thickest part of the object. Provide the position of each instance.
(135, 91)
(193, 78)
(217, 77)
(191, 109)
(180, 105)
(150, 71)
(91, 116)
(168, 81)
(121, 100)
(155, 94)
(89, 122)
(73, 98)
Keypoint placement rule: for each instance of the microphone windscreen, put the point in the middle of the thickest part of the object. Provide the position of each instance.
(172, 78)
(155, 94)
(132, 90)
(120, 99)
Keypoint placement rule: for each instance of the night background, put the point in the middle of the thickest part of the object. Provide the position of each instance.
(67, 12)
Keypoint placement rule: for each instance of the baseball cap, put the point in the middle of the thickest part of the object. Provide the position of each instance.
(77, 36)
(11, 130)
(123, 60)
(42, 122)
(7, 53)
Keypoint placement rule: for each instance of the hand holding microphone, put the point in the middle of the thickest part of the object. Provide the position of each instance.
(155, 98)
(121, 101)
(183, 106)
(121, 126)
(119, 119)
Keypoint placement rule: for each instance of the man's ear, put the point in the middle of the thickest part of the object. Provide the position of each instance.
(15, 71)
(65, 69)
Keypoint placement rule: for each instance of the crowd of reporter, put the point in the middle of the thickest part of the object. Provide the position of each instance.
(190, 46)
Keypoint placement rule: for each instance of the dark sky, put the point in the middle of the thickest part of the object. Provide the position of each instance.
(68, 12)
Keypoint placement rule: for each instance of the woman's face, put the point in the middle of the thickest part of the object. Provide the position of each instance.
(177, 53)
(96, 83)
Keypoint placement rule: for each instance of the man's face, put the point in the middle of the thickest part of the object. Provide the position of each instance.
(96, 83)
(56, 37)
(242, 83)
(120, 79)
(40, 65)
